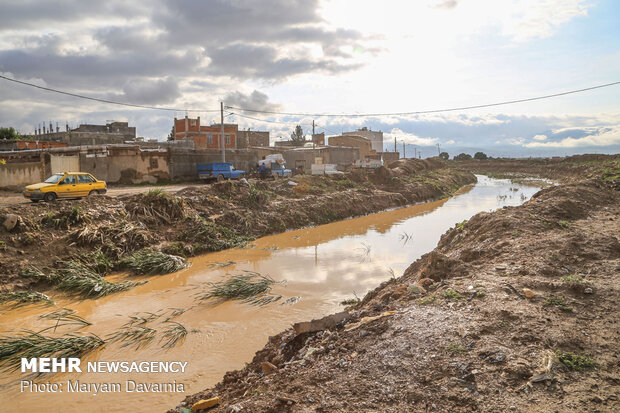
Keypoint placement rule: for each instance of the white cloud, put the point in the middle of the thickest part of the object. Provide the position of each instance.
(450, 142)
(540, 138)
(603, 137)
(528, 19)
(409, 137)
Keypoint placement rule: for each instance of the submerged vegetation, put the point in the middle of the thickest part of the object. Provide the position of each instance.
(153, 262)
(173, 335)
(138, 336)
(76, 278)
(18, 298)
(30, 344)
(251, 287)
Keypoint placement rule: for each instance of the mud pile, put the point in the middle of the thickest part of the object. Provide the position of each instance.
(199, 219)
(514, 311)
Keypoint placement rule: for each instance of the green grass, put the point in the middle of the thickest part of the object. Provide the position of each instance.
(574, 279)
(451, 295)
(564, 224)
(351, 303)
(30, 344)
(427, 300)
(456, 348)
(461, 225)
(575, 362)
(557, 301)
(152, 262)
(251, 287)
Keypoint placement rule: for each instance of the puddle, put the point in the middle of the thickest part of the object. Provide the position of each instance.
(321, 265)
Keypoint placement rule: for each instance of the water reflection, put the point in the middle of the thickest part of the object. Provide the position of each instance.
(322, 265)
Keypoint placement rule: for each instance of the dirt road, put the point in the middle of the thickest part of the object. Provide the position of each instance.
(8, 198)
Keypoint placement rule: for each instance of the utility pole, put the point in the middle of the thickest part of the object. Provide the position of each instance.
(404, 151)
(394, 144)
(415, 151)
(438, 150)
(222, 140)
(313, 137)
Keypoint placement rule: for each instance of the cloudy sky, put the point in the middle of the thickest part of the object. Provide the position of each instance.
(325, 57)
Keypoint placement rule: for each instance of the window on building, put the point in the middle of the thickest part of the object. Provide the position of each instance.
(227, 139)
(209, 139)
(192, 122)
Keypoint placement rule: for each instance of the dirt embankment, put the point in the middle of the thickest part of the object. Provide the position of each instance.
(515, 310)
(565, 170)
(98, 233)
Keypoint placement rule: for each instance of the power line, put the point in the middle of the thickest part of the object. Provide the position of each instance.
(103, 100)
(421, 112)
(270, 121)
(309, 114)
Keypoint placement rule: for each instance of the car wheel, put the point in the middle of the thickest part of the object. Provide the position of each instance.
(220, 178)
(49, 197)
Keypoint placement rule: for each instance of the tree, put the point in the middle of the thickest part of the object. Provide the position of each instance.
(9, 133)
(171, 135)
(444, 155)
(481, 156)
(462, 157)
(298, 137)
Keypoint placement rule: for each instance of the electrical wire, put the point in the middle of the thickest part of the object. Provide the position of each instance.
(104, 100)
(271, 121)
(421, 112)
(509, 102)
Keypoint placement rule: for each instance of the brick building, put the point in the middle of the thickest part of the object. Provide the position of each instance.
(252, 139)
(375, 137)
(353, 141)
(205, 137)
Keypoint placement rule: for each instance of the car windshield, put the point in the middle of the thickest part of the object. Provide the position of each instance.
(53, 179)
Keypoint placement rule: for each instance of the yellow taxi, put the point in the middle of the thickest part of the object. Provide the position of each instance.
(65, 185)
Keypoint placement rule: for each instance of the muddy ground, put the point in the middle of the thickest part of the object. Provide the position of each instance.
(562, 170)
(101, 231)
(515, 310)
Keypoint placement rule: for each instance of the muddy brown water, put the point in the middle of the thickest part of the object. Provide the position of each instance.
(321, 265)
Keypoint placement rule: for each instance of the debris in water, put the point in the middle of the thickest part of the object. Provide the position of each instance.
(175, 333)
(252, 288)
(222, 264)
(30, 344)
(19, 298)
(139, 336)
(153, 262)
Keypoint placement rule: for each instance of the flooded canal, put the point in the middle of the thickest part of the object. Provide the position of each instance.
(322, 266)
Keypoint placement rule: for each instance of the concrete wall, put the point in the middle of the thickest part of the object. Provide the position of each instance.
(127, 165)
(343, 156)
(361, 142)
(305, 157)
(376, 137)
(183, 162)
(20, 173)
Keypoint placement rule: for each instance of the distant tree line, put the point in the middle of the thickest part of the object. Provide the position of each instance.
(481, 156)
